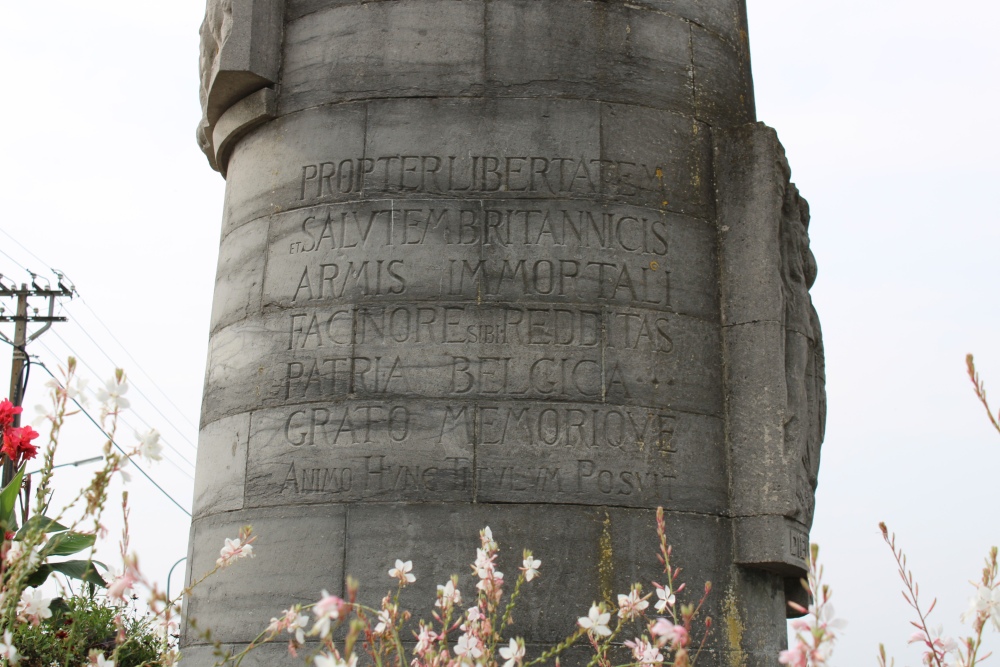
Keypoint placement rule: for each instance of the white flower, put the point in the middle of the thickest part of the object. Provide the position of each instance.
(149, 445)
(473, 614)
(16, 553)
(402, 572)
(985, 602)
(76, 391)
(98, 660)
(596, 622)
(7, 649)
(631, 605)
(513, 652)
(113, 393)
(486, 539)
(122, 462)
(42, 417)
(328, 660)
(232, 550)
(468, 645)
(448, 595)
(384, 622)
(665, 598)
(34, 606)
(484, 563)
(530, 566)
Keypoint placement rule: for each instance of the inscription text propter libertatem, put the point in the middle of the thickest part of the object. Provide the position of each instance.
(479, 173)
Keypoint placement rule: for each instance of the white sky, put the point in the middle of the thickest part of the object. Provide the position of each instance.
(887, 110)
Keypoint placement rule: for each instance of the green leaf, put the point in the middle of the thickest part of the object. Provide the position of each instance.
(41, 524)
(9, 496)
(69, 543)
(83, 570)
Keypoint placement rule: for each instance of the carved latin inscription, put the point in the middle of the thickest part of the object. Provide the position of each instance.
(493, 349)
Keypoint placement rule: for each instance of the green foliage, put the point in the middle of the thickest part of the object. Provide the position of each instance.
(8, 498)
(79, 625)
(63, 542)
(83, 570)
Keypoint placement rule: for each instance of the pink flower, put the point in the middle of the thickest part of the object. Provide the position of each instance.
(121, 587)
(676, 635)
(17, 444)
(292, 621)
(797, 656)
(7, 412)
(645, 653)
(425, 639)
(329, 608)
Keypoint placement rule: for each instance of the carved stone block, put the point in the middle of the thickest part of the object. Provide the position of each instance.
(522, 264)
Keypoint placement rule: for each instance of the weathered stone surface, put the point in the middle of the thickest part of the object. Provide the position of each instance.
(239, 279)
(221, 470)
(238, 602)
(522, 264)
(434, 47)
(723, 90)
(602, 51)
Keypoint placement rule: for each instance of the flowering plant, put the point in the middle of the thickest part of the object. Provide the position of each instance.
(33, 624)
(815, 637)
(455, 636)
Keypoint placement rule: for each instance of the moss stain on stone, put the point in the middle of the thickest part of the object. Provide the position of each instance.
(734, 631)
(605, 561)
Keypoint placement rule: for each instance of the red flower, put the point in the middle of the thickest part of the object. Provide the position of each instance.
(7, 412)
(17, 444)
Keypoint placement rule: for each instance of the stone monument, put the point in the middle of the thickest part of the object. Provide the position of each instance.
(529, 264)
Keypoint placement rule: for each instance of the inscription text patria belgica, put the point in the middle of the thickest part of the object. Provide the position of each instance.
(534, 266)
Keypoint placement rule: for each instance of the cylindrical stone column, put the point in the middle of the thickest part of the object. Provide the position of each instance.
(519, 263)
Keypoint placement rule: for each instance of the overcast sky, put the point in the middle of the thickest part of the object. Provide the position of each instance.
(888, 113)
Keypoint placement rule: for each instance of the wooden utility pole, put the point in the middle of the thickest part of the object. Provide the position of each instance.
(21, 339)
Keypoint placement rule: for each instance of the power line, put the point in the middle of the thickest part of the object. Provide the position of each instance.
(25, 249)
(97, 317)
(123, 419)
(137, 389)
(23, 267)
(136, 362)
(112, 441)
